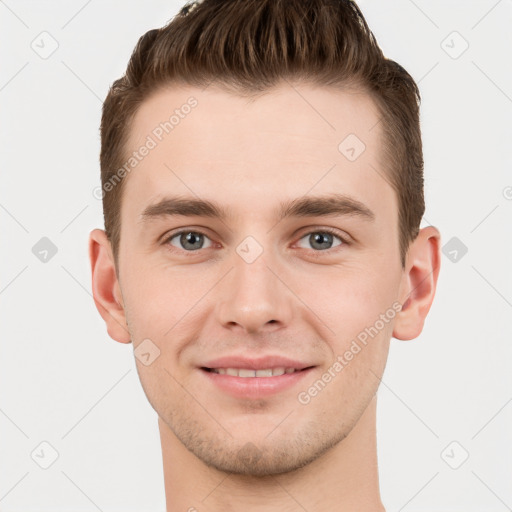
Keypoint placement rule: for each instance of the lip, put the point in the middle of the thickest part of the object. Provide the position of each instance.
(255, 387)
(256, 363)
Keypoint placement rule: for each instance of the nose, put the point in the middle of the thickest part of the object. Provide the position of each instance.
(254, 298)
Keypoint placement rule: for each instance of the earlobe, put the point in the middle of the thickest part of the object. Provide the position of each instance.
(105, 287)
(419, 283)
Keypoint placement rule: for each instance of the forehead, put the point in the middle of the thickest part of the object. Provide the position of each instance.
(291, 141)
(214, 118)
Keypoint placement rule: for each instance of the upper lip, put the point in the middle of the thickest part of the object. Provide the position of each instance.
(256, 363)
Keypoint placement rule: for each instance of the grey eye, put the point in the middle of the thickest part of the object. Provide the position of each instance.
(321, 240)
(189, 240)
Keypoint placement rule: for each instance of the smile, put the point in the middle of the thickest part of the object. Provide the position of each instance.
(254, 384)
(244, 372)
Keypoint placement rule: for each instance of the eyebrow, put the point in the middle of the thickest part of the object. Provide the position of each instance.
(308, 206)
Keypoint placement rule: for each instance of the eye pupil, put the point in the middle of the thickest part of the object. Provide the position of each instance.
(322, 239)
(189, 239)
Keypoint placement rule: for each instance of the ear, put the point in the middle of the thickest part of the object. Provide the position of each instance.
(418, 285)
(105, 286)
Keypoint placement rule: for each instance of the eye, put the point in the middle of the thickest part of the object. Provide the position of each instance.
(322, 240)
(191, 240)
(188, 240)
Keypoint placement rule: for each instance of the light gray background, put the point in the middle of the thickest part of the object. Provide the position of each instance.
(64, 381)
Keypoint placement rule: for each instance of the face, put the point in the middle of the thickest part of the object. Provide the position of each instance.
(302, 262)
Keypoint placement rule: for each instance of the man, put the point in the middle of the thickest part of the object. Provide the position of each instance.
(262, 171)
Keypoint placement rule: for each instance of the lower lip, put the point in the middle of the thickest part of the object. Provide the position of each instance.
(255, 387)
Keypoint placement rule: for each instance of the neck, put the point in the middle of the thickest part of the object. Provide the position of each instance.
(345, 478)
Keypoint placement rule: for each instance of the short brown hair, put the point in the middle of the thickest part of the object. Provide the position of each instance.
(247, 47)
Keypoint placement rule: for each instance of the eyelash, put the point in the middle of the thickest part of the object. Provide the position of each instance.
(315, 253)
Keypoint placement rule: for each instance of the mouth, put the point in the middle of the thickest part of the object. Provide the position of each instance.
(247, 373)
(244, 383)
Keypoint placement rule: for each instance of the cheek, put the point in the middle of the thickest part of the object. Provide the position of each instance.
(157, 297)
(348, 301)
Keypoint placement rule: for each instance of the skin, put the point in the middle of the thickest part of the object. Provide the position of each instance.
(249, 156)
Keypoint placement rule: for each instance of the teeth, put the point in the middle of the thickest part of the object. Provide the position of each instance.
(242, 372)
(265, 373)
